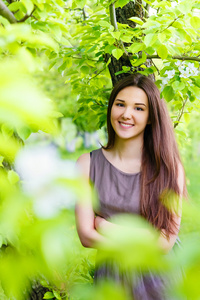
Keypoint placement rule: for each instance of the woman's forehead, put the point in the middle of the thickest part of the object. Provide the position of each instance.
(132, 93)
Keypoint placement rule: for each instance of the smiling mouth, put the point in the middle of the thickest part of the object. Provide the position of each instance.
(126, 125)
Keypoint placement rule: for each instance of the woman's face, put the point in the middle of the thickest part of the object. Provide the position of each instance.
(130, 113)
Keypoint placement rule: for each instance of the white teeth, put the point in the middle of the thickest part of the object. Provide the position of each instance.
(126, 125)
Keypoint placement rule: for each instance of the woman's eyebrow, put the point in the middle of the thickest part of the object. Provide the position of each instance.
(135, 103)
(140, 104)
(119, 100)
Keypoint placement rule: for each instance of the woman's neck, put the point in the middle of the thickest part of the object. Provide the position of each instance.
(128, 149)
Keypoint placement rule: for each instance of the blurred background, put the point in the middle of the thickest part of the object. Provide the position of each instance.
(58, 60)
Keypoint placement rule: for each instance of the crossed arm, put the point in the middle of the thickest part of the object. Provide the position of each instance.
(90, 228)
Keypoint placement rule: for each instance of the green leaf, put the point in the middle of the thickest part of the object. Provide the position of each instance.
(79, 4)
(162, 37)
(108, 62)
(15, 6)
(168, 93)
(57, 295)
(150, 39)
(115, 34)
(121, 3)
(140, 61)
(195, 22)
(13, 177)
(136, 20)
(85, 70)
(183, 35)
(186, 117)
(62, 67)
(117, 53)
(1, 240)
(104, 24)
(136, 47)
(126, 38)
(6, 130)
(24, 132)
(178, 85)
(162, 51)
(4, 21)
(48, 295)
(1, 161)
(195, 90)
(28, 5)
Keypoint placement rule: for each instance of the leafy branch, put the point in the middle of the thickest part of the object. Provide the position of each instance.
(27, 16)
(182, 15)
(7, 14)
(113, 21)
(179, 57)
(98, 73)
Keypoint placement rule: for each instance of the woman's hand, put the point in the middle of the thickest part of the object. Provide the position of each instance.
(99, 223)
(102, 225)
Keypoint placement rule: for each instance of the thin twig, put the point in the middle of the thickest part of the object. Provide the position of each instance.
(181, 113)
(82, 58)
(26, 16)
(97, 74)
(113, 21)
(147, 10)
(84, 15)
(155, 67)
(195, 58)
(182, 15)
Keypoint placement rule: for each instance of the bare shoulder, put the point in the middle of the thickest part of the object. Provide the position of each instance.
(83, 163)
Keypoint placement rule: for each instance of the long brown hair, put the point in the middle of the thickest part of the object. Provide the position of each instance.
(160, 156)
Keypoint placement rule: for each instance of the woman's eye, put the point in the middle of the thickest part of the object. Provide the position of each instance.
(139, 108)
(120, 104)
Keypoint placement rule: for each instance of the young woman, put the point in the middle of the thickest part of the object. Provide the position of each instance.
(135, 172)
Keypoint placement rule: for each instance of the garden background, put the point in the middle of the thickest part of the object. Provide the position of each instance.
(58, 61)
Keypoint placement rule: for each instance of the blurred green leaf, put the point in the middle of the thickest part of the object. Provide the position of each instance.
(13, 177)
(48, 295)
(117, 53)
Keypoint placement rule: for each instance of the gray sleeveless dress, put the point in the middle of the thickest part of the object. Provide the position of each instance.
(119, 192)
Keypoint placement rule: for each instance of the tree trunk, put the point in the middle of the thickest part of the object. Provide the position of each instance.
(37, 291)
(131, 9)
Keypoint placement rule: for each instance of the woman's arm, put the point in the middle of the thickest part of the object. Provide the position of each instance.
(84, 213)
(165, 243)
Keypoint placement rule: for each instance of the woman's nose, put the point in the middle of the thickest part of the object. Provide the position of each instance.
(127, 113)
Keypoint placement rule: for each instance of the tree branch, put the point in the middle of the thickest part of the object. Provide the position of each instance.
(6, 13)
(195, 58)
(84, 15)
(113, 21)
(180, 114)
(146, 13)
(27, 16)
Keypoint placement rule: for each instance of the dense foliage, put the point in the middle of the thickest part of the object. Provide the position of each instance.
(72, 42)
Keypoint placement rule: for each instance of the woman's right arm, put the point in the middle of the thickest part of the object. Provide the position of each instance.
(85, 217)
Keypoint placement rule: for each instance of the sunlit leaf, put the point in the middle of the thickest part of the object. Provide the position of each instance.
(136, 20)
(117, 53)
(162, 51)
(13, 177)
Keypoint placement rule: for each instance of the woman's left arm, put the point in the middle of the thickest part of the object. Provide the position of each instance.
(166, 243)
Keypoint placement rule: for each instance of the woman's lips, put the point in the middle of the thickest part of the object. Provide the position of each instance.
(126, 125)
